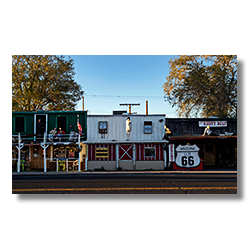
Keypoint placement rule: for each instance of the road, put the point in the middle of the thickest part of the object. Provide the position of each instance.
(104, 183)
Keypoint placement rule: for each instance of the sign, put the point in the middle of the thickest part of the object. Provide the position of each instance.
(187, 156)
(171, 153)
(213, 124)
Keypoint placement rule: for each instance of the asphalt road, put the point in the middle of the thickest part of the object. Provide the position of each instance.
(125, 184)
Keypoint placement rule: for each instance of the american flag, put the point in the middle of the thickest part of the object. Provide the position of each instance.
(79, 127)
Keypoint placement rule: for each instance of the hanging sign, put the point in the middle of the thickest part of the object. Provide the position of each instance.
(187, 156)
(213, 123)
(171, 153)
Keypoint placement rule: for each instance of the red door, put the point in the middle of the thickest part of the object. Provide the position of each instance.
(125, 152)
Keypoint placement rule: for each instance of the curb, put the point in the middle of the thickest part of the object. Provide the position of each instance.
(121, 173)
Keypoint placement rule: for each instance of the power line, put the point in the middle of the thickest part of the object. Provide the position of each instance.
(120, 96)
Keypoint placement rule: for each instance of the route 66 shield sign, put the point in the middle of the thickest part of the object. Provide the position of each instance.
(187, 156)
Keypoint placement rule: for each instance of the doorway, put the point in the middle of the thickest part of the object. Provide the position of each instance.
(209, 153)
(43, 120)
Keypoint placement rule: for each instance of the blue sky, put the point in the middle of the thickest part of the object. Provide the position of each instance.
(105, 77)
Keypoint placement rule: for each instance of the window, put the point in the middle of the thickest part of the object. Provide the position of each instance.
(103, 127)
(147, 127)
(101, 152)
(19, 124)
(149, 152)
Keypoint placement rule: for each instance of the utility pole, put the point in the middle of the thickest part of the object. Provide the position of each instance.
(129, 106)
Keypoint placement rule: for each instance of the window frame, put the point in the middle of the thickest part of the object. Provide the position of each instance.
(144, 127)
(24, 126)
(103, 130)
(150, 148)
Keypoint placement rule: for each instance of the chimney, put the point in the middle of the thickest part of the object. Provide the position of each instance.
(146, 107)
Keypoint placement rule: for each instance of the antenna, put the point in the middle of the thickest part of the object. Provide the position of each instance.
(129, 106)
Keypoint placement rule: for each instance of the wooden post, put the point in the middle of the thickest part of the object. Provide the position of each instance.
(146, 107)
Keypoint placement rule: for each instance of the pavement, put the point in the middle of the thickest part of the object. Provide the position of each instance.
(32, 173)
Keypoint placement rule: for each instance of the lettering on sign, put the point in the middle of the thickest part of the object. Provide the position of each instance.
(187, 156)
(213, 123)
(171, 153)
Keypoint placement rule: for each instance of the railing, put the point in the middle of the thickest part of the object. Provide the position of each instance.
(47, 139)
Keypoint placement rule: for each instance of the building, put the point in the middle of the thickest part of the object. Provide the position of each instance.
(109, 148)
(216, 151)
(35, 148)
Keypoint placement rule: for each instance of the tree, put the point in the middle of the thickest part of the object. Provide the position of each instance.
(203, 85)
(44, 82)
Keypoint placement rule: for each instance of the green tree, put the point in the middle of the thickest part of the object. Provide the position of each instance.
(44, 82)
(203, 85)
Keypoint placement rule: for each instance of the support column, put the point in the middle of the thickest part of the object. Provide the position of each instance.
(117, 155)
(43, 145)
(86, 157)
(19, 147)
(133, 156)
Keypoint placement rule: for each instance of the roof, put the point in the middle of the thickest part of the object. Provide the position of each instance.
(200, 137)
(48, 112)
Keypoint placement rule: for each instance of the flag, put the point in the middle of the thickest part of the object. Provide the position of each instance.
(79, 128)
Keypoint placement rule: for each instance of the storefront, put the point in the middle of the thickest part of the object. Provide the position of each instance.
(214, 152)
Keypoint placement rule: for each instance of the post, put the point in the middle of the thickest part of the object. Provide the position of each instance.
(133, 156)
(82, 102)
(67, 165)
(43, 145)
(19, 147)
(86, 158)
(165, 158)
(146, 107)
(79, 156)
(117, 155)
(57, 165)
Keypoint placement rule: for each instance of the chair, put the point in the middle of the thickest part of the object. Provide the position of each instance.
(21, 164)
(61, 163)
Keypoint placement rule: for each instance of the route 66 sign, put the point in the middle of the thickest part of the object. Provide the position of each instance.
(187, 156)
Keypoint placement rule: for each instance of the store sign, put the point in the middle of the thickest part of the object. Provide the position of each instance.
(213, 124)
(187, 156)
(171, 153)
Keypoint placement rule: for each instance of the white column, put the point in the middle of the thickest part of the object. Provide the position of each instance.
(43, 145)
(165, 157)
(19, 147)
(86, 157)
(117, 155)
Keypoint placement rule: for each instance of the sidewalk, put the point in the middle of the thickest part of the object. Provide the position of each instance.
(30, 173)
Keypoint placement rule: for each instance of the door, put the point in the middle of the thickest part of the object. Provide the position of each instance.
(37, 157)
(209, 153)
(126, 156)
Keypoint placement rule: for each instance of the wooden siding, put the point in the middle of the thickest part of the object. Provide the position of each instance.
(140, 152)
(181, 126)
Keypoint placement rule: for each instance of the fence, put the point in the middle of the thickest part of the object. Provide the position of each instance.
(45, 141)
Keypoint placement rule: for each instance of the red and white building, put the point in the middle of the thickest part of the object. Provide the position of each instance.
(108, 146)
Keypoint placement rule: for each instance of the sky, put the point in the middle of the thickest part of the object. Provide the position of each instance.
(110, 80)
